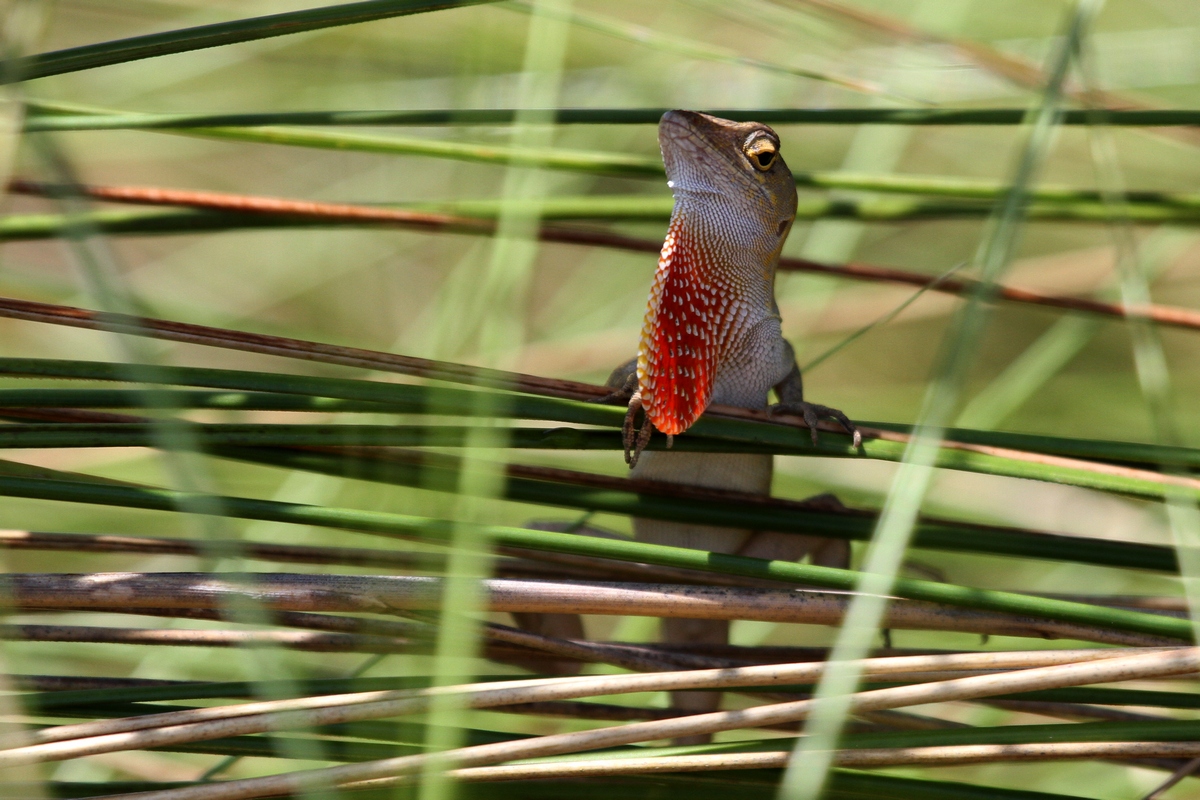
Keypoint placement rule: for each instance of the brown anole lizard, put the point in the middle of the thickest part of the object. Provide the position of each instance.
(712, 334)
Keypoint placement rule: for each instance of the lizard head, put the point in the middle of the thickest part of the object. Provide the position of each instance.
(735, 201)
(726, 173)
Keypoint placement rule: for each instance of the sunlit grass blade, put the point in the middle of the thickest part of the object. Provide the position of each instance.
(122, 51)
(573, 161)
(349, 752)
(183, 399)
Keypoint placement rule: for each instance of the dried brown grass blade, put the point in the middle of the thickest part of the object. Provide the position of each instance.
(392, 594)
(1158, 664)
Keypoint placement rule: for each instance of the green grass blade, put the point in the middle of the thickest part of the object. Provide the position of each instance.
(546, 158)
(122, 51)
(751, 785)
(811, 760)
(183, 399)
(630, 208)
(252, 391)
(51, 116)
(405, 526)
(437, 473)
(1072, 202)
(1097, 476)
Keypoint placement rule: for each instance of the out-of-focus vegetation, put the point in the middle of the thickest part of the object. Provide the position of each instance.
(573, 312)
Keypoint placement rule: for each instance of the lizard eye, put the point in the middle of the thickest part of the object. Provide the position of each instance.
(761, 151)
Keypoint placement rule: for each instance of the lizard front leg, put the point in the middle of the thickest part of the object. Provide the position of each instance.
(791, 401)
(624, 383)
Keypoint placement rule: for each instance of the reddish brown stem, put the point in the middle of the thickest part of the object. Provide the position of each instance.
(432, 221)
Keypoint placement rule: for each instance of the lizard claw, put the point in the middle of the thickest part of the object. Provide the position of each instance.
(635, 441)
(624, 392)
(813, 413)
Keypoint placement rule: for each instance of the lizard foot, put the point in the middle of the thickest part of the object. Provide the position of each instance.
(624, 392)
(814, 413)
(635, 441)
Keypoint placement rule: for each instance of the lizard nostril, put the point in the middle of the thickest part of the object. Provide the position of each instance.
(783, 223)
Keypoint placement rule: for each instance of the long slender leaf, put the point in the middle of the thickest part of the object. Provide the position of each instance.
(752, 785)
(1162, 731)
(440, 531)
(50, 702)
(437, 474)
(449, 401)
(571, 160)
(47, 116)
(153, 45)
(183, 399)
(1136, 454)
(638, 208)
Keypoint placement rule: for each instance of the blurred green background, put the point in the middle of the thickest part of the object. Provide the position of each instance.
(579, 312)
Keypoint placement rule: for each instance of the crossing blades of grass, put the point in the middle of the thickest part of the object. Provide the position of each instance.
(217, 211)
(987, 459)
(88, 492)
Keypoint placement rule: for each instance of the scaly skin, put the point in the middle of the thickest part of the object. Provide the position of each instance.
(712, 335)
(712, 332)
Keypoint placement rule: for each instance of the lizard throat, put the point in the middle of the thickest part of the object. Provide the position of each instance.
(696, 312)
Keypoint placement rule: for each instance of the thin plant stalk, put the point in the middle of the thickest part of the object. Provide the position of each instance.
(805, 776)
(123, 51)
(1128, 668)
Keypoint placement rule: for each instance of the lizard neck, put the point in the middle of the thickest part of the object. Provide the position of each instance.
(738, 241)
(713, 292)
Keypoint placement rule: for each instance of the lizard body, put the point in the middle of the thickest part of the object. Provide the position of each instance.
(712, 335)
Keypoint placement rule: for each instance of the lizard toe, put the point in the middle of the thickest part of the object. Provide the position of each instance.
(629, 435)
(813, 413)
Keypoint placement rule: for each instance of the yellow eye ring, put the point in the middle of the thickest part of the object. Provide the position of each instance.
(761, 152)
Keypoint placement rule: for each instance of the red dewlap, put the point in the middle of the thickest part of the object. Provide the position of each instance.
(681, 336)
